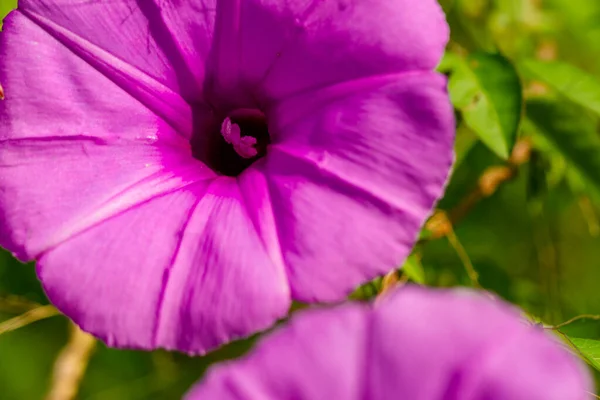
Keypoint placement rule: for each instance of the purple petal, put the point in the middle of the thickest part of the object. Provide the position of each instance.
(416, 343)
(182, 271)
(72, 141)
(354, 172)
(98, 182)
(469, 347)
(53, 91)
(324, 366)
(55, 189)
(168, 41)
(100, 189)
(286, 47)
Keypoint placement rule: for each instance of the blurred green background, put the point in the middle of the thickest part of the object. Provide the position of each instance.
(521, 214)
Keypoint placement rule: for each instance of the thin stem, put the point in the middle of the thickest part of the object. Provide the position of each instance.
(464, 257)
(589, 214)
(27, 318)
(577, 318)
(489, 182)
(16, 304)
(70, 365)
(389, 282)
(442, 223)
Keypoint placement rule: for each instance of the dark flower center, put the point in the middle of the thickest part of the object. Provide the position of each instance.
(239, 140)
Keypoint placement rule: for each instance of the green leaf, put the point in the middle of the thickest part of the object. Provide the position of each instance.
(6, 6)
(590, 349)
(449, 62)
(465, 141)
(414, 270)
(487, 90)
(570, 81)
(573, 135)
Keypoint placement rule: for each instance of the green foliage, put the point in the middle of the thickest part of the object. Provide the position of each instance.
(573, 134)
(5, 7)
(413, 269)
(486, 89)
(524, 77)
(568, 80)
(590, 349)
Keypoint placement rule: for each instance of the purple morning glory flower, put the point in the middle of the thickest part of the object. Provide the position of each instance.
(416, 343)
(182, 170)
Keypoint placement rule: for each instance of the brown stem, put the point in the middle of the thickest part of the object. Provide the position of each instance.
(16, 304)
(27, 318)
(70, 365)
(389, 282)
(577, 318)
(489, 182)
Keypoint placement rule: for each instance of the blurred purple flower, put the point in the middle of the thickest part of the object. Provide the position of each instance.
(181, 170)
(416, 343)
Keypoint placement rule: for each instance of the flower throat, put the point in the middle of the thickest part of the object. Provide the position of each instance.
(243, 138)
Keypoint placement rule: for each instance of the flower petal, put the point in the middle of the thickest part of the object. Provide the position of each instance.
(74, 146)
(470, 347)
(182, 271)
(167, 40)
(415, 343)
(53, 92)
(52, 190)
(327, 367)
(354, 171)
(281, 48)
(95, 172)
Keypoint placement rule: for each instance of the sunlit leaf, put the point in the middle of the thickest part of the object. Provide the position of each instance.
(465, 141)
(589, 348)
(5, 7)
(487, 90)
(568, 80)
(414, 270)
